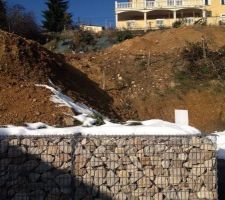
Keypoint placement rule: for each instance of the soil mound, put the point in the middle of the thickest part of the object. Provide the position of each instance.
(143, 77)
(23, 64)
(25, 60)
(166, 41)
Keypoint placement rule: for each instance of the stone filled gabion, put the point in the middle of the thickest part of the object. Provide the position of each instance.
(147, 167)
(120, 168)
(35, 168)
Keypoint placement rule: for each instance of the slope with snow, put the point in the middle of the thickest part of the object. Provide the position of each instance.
(86, 116)
(220, 144)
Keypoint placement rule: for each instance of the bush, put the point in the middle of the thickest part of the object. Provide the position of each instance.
(71, 40)
(177, 24)
(87, 37)
(221, 23)
(83, 41)
(204, 63)
(124, 35)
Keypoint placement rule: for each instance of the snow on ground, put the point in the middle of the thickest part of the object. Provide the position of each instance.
(220, 144)
(152, 127)
(85, 119)
(63, 100)
(86, 114)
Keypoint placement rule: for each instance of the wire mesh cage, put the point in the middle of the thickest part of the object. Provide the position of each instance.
(147, 167)
(108, 167)
(35, 168)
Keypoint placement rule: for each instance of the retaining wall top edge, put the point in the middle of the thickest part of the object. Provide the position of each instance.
(110, 135)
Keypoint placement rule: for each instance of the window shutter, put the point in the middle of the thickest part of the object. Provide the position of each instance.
(209, 2)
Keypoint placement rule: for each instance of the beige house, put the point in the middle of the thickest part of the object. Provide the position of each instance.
(91, 28)
(153, 14)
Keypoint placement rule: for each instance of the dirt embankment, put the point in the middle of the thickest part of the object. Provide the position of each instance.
(140, 75)
(23, 64)
(136, 79)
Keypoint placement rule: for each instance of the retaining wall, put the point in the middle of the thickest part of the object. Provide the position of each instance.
(108, 168)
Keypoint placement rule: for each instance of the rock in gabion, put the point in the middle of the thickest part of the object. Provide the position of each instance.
(167, 168)
(120, 168)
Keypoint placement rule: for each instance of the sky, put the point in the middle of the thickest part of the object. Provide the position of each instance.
(99, 12)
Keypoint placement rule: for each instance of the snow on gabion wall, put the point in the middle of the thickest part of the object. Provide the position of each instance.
(117, 168)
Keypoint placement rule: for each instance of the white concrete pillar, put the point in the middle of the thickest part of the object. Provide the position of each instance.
(116, 20)
(175, 15)
(204, 13)
(181, 117)
(145, 20)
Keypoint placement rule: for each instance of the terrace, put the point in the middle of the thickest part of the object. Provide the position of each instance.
(149, 14)
(158, 4)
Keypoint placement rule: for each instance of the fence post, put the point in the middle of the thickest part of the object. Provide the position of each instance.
(73, 146)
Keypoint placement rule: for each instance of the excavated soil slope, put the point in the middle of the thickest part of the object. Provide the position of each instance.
(166, 41)
(25, 63)
(141, 76)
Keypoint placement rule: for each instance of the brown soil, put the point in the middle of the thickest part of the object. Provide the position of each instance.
(139, 75)
(166, 41)
(25, 63)
(27, 103)
(132, 80)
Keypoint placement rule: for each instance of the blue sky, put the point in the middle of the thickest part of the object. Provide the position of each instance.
(90, 11)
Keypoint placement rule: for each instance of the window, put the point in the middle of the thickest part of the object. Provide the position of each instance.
(223, 17)
(189, 20)
(208, 2)
(159, 23)
(150, 3)
(131, 24)
(223, 2)
(179, 2)
(170, 2)
(208, 13)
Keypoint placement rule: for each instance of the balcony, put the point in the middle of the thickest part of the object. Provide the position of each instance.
(159, 4)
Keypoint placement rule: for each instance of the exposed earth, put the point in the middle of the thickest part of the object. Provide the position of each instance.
(23, 64)
(137, 79)
(140, 75)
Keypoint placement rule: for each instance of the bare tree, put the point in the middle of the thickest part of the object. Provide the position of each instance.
(2, 14)
(22, 22)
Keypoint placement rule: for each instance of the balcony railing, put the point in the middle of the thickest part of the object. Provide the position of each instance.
(158, 4)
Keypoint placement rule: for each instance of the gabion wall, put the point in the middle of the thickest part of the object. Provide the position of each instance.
(36, 168)
(120, 168)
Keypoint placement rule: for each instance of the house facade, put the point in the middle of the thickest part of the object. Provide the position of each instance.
(91, 28)
(154, 14)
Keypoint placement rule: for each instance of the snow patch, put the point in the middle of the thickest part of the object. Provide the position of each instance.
(85, 119)
(63, 100)
(86, 114)
(220, 144)
(159, 128)
(34, 126)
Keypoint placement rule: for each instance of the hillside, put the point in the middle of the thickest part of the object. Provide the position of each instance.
(143, 78)
(146, 76)
(23, 64)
